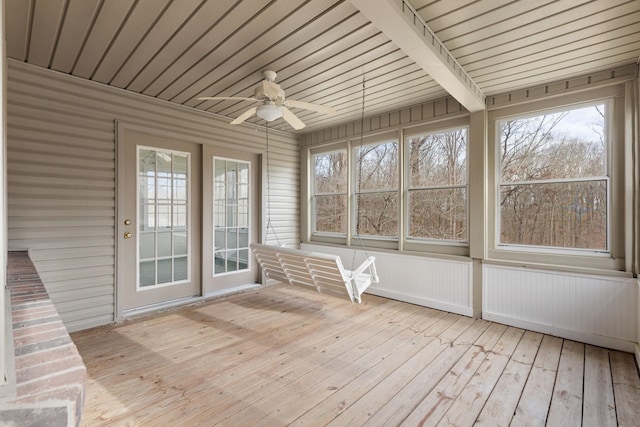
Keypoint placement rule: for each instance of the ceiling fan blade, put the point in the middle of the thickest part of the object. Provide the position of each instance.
(244, 116)
(309, 106)
(233, 98)
(292, 119)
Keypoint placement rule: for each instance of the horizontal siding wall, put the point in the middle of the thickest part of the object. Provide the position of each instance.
(411, 116)
(597, 310)
(62, 171)
(431, 282)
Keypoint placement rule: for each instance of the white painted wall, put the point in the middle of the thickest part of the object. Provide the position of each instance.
(62, 171)
(599, 310)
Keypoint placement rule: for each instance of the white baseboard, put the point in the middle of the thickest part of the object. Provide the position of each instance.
(425, 302)
(593, 339)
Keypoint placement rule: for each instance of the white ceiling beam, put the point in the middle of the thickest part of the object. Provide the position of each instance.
(399, 21)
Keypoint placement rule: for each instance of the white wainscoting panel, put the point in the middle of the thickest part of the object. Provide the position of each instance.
(431, 282)
(598, 310)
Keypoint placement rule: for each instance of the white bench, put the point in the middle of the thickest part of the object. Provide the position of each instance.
(322, 271)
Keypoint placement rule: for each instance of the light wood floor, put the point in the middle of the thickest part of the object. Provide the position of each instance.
(284, 355)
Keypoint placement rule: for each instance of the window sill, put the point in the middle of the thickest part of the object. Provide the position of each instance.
(581, 265)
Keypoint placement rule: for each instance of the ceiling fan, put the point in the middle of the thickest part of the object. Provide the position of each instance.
(273, 103)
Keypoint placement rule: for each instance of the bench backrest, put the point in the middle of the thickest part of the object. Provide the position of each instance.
(325, 272)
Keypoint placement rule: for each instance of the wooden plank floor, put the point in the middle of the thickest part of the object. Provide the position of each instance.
(287, 356)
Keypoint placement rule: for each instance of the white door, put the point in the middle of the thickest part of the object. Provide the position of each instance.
(160, 233)
(230, 218)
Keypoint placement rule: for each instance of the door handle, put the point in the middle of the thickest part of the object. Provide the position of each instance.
(127, 235)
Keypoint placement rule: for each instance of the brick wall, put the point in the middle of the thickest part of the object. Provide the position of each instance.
(50, 374)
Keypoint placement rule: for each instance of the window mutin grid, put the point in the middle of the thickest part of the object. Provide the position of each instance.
(436, 177)
(163, 227)
(553, 179)
(231, 216)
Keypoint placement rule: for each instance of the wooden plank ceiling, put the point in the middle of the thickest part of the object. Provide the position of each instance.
(178, 50)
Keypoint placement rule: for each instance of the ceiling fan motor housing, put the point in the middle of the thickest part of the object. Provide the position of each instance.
(271, 91)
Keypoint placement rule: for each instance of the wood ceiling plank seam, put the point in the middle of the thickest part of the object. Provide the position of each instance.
(287, 26)
(343, 59)
(234, 108)
(538, 18)
(374, 69)
(79, 18)
(514, 85)
(107, 24)
(311, 48)
(171, 22)
(135, 30)
(56, 40)
(224, 37)
(298, 72)
(114, 39)
(192, 43)
(352, 25)
(521, 37)
(237, 38)
(329, 91)
(187, 97)
(538, 48)
(351, 102)
(353, 87)
(461, 15)
(388, 69)
(553, 55)
(624, 51)
(508, 12)
(328, 52)
(373, 98)
(18, 24)
(47, 19)
(372, 89)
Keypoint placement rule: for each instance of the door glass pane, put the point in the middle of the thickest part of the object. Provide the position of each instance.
(165, 275)
(180, 243)
(231, 215)
(219, 262)
(147, 273)
(163, 212)
(147, 245)
(180, 269)
(164, 244)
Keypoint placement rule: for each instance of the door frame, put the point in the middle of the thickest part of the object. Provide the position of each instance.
(209, 153)
(121, 127)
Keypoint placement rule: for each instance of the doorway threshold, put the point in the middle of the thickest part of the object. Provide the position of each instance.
(168, 305)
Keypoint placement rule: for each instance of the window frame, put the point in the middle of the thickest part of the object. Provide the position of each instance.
(445, 248)
(408, 188)
(313, 235)
(613, 258)
(374, 241)
(313, 194)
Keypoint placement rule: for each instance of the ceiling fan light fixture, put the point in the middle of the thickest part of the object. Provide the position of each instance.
(269, 112)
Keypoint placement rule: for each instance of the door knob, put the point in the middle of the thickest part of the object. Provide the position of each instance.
(127, 235)
(127, 222)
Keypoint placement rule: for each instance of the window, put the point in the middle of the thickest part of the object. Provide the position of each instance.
(376, 189)
(553, 183)
(231, 215)
(330, 192)
(437, 185)
(163, 226)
